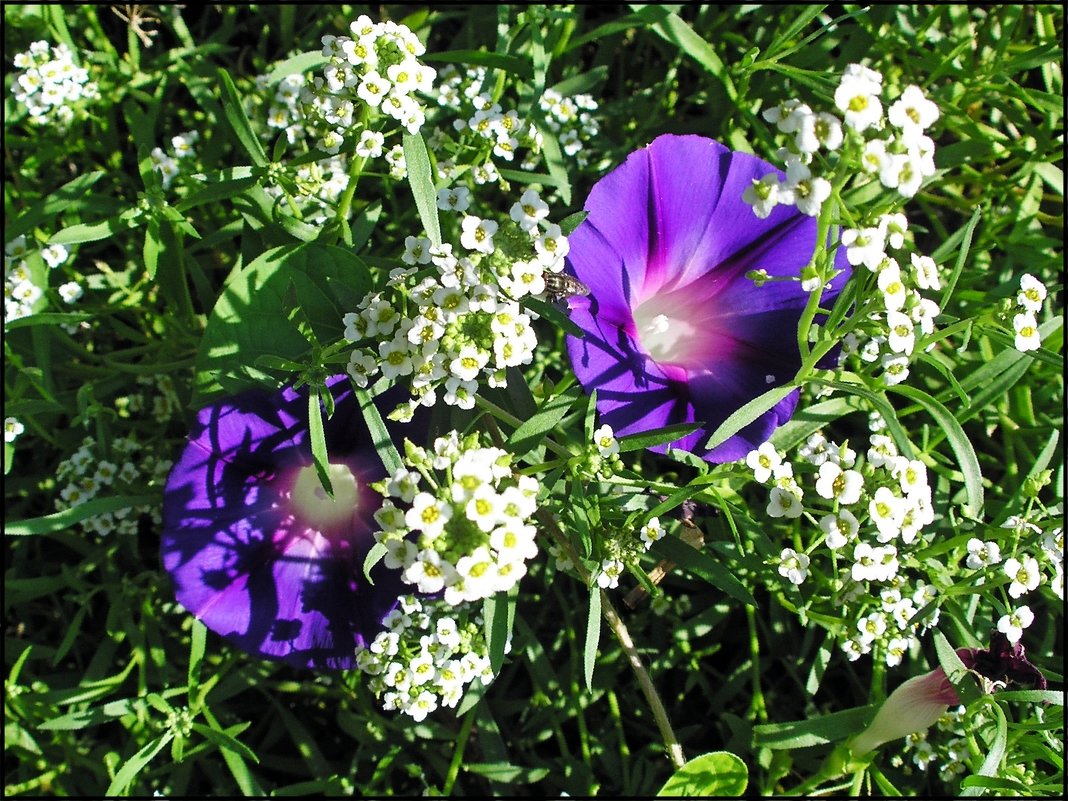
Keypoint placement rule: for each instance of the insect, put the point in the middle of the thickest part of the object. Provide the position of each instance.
(560, 286)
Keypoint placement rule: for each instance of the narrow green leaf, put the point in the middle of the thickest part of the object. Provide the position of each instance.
(702, 564)
(239, 123)
(317, 436)
(593, 635)
(572, 221)
(816, 730)
(551, 313)
(672, 28)
(962, 257)
(58, 521)
(225, 742)
(48, 318)
(421, 180)
(958, 441)
(719, 773)
(498, 616)
(583, 82)
(647, 439)
(296, 65)
(93, 232)
(151, 248)
(533, 430)
(135, 764)
(554, 161)
(747, 414)
(383, 442)
(69, 198)
(995, 754)
(197, 642)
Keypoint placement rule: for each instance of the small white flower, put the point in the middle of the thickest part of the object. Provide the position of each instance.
(478, 234)
(373, 89)
(552, 245)
(892, 287)
(456, 198)
(608, 576)
(529, 210)
(793, 566)
(54, 255)
(763, 461)
(833, 483)
(808, 192)
(818, 130)
(857, 96)
(901, 337)
(887, 512)
(370, 145)
(12, 429)
(787, 115)
(840, 528)
(1027, 336)
(895, 368)
(1032, 293)
(416, 250)
(982, 554)
(912, 112)
(865, 246)
(70, 291)
(1013, 624)
(1025, 575)
(765, 194)
(605, 440)
(784, 502)
(651, 532)
(926, 272)
(428, 514)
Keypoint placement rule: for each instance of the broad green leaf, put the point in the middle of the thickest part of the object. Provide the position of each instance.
(235, 115)
(250, 316)
(57, 521)
(593, 635)
(958, 441)
(719, 773)
(747, 414)
(421, 180)
(702, 564)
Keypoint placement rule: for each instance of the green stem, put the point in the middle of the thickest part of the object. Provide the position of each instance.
(458, 754)
(757, 707)
(355, 169)
(622, 635)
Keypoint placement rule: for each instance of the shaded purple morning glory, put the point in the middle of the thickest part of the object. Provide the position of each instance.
(673, 330)
(258, 552)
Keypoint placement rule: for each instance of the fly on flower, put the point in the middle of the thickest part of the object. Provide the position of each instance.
(561, 286)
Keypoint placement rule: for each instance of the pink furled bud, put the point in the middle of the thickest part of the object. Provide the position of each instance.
(914, 706)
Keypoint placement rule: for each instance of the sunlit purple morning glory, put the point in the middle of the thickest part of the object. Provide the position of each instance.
(673, 330)
(257, 550)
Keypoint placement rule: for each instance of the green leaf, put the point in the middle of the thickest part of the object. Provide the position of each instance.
(554, 161)
(719, 773)
(67, 198)
(135, 764)
(250, 318)
(93, 232)
(235, 115)
(533, 430)
(593, 635)
(516, 65)
(747, 414)
(225, 742)
(48, 318)
(672, 28)
(298, 64)
(583, 82)
(572, 221)
(380, 436)
(317, 436)
(966, 234)
(421, 179)
(647, 439)
(197, 641)
(58, 521)
(995, 754)
(152, 247)
(958, 441)
(701, 564)
(814, 730)
(498, 616)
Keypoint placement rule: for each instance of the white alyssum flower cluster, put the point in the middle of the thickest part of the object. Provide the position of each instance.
(123, 470)
(497, 133)
(889, 337)
(1024, 322)
(461, 323)
(873, 512)
(374, 72)
(168, 164)
(425, 658)
(22, 287)
(50, 84)
(624, 549)
(894, 147)
(456, 520)
(1024, 570)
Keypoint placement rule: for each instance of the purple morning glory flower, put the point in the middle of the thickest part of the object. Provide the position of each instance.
(673, 330)
(258, 552)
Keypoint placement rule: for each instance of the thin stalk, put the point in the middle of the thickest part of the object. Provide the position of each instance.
(515, 422)
(622, 635)
(757, 708)
(458, 754)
